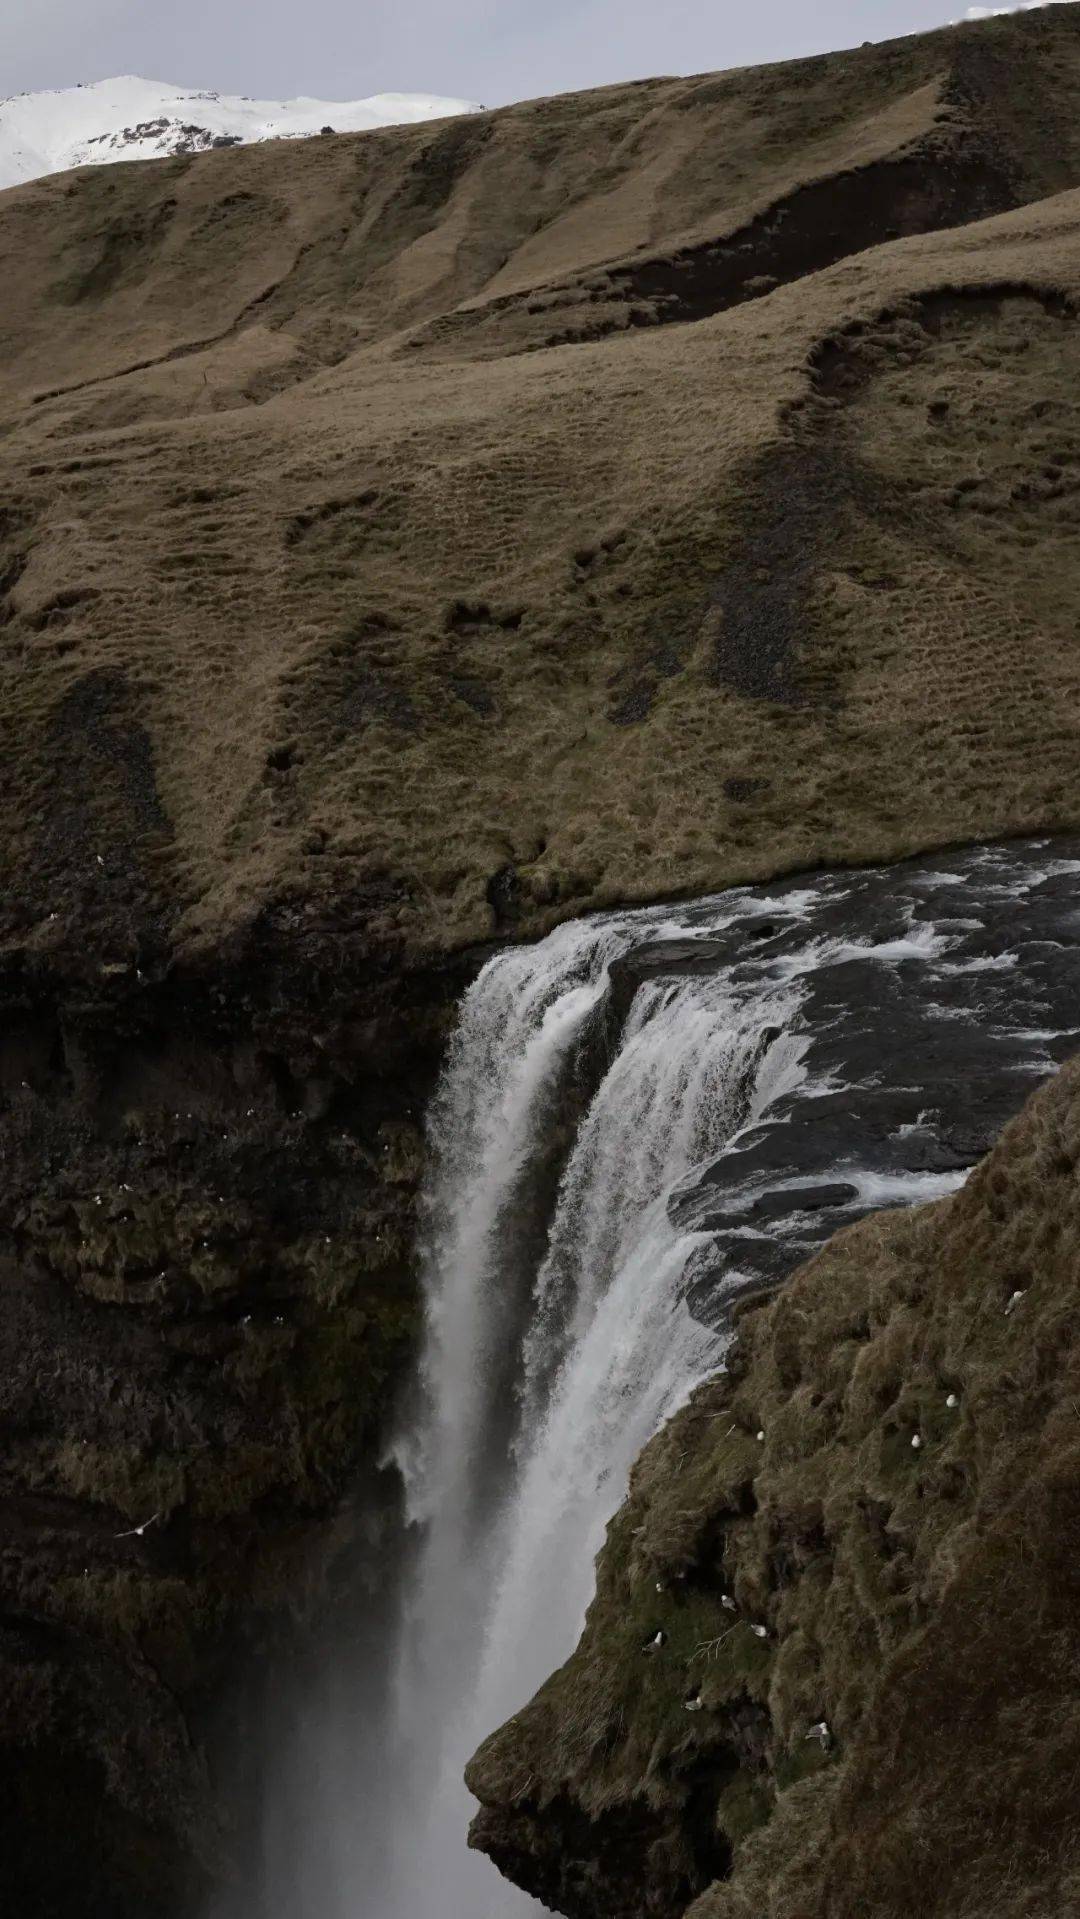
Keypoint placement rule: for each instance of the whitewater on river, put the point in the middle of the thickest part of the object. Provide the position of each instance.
(639, 1118)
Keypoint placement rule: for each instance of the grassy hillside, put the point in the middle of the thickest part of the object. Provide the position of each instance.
(921, 1601)
(610, 496)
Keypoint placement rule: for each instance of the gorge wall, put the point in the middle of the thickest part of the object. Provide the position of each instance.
(206, 1237)
(408, 541)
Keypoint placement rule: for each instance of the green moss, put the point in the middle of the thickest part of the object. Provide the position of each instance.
(803, 1761)
(744, 1806)
(125, 1479)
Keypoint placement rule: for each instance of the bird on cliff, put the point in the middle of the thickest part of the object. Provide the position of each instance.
(693, 1704)
(655, 1643)
(728, 1603)
(138, 1531)
(1015, 1301)
(821, 1733)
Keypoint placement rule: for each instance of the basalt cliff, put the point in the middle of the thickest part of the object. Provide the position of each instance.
(410, 540)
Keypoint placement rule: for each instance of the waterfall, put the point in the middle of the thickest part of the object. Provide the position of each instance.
(637, 1117)
(558, 1337)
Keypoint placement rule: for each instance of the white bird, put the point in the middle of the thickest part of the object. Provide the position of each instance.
(138, 1531)
(760, 1632)
(1015, 1300)
(728, 1603)
(655, 1644)
(659, 1585)
(916, 1441)
(821, 1733)
(761, 1437)
(953, 1402)
(694, 1704)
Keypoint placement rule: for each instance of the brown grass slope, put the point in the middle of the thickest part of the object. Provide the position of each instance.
(618, 494)
(923, 1601)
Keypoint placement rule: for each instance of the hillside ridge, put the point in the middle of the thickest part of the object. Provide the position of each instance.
(302, 425)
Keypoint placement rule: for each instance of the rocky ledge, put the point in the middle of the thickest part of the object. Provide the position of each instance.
(831, 1664)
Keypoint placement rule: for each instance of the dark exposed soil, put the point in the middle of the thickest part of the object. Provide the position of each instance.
(815, 227)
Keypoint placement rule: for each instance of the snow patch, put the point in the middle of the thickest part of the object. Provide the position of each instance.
(132, 119)
(1018, 6)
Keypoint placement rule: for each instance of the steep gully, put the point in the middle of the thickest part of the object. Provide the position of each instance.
(640, 1120)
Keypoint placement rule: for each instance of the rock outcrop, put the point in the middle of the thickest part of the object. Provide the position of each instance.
(859, 1546)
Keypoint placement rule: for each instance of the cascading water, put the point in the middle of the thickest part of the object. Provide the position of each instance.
(550, 1358)
(637, 1117)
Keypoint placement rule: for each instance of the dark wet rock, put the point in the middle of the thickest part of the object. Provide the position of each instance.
(504, 896)
(207, 1223)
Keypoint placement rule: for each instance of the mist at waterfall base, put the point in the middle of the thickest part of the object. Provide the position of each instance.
(561, 1240)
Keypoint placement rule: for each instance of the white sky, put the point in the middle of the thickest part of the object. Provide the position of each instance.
(487, 50)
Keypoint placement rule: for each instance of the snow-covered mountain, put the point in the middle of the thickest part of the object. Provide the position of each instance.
(131, 119)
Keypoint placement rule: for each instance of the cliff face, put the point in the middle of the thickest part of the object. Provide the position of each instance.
(206, 1235)
(860, 1549)
(407, 539)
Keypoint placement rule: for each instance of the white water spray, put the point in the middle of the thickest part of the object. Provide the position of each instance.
(557, 1337)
